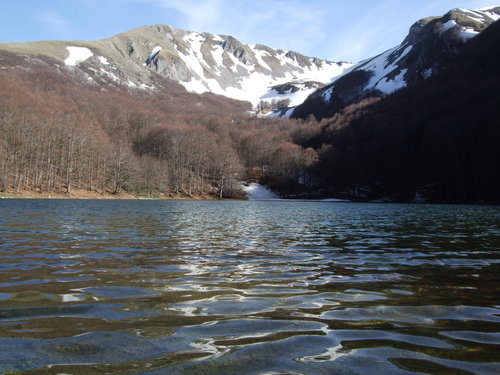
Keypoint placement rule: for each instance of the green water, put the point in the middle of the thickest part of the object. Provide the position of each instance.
(181, 287)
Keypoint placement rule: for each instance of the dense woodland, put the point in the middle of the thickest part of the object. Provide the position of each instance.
(437, 141)
(59, 135)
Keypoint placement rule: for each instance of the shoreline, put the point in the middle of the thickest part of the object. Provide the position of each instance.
(85, 194)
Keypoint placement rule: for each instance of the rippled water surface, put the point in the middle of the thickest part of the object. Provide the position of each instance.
(189, 287)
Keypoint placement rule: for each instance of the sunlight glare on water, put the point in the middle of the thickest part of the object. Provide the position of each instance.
(248, 287)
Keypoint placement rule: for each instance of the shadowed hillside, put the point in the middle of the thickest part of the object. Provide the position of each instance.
(437, 141)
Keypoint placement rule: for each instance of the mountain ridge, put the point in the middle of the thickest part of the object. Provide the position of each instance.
(431, 44)
(277, 82)
(201, 62)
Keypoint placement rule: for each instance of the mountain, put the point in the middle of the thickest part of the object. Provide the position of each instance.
(436, 141)
(431, 45)
(114, 116)
(201, 62)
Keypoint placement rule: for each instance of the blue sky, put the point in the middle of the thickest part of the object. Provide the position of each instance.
(329, 29)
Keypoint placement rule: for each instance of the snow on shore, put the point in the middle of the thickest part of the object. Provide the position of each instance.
(257, 192)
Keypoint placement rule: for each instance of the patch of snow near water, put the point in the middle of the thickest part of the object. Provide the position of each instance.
(257, 192)
(77, 55)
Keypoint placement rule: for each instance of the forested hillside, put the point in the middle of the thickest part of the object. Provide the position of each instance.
(437, 141)
(59, 135)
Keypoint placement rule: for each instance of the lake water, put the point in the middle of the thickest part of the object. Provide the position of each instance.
(245, 287)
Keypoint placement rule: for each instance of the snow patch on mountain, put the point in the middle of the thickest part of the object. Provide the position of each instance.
(448, 25)
(260, 58)
(110, 75)
(383, 66)
(469, 33)
(493, 16)
(465, 32)
(481, 13)
(103, 60)
(77, 55)
(258, 86)
(218, 56)
(388, 86)
(327, 95)
(224, 66)
(294, 92)
(153, 54)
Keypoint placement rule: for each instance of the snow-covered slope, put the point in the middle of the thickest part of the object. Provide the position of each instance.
(431, 44)
(222, 65)
(201, 62)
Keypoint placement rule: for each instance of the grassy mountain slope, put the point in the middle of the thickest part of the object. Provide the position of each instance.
(201, 62)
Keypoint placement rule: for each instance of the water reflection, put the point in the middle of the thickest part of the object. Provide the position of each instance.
(153, 287)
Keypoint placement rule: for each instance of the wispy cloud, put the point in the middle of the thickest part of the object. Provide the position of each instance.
(198, 15)
(52, 19)
(380, 27)
(332, 29)
(282, 24)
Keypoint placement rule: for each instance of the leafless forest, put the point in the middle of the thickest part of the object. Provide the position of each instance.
(58, 135)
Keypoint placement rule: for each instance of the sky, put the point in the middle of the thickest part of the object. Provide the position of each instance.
(336, 30)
